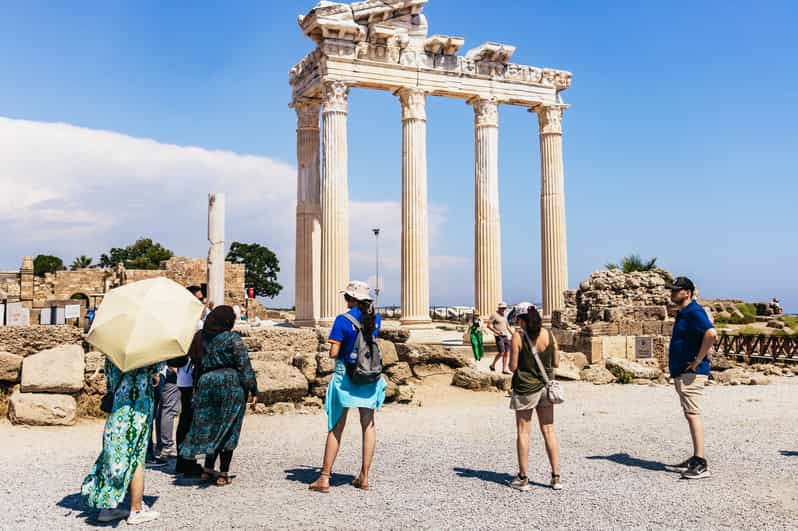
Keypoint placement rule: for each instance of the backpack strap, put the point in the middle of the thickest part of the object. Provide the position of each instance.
(351, 318)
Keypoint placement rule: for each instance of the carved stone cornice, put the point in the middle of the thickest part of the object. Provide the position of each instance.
(414, 102)
(549, 119)
(486, 112)
(307, 112)
(335, 96)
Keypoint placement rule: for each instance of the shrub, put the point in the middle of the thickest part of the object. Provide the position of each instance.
(634, 263)
(791, 321)
(622, 376)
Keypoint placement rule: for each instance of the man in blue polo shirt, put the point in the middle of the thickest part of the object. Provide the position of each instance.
(688, 360)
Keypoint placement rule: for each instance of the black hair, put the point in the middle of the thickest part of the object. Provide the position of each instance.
(533, 323)
(368, 318)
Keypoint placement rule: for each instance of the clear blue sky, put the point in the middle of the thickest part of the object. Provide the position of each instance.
(681, 142)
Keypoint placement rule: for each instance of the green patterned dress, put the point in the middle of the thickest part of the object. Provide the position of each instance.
(224, 379)
(125, 435)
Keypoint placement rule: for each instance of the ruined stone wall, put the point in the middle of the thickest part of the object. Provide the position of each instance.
(194, 271)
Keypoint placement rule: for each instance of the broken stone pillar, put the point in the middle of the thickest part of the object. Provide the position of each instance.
(216, 250)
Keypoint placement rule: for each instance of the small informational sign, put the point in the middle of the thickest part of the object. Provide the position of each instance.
(17, 314)
(72, 311)
(644, 347)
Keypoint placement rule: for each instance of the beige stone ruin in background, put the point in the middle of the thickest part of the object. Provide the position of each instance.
(384, 45)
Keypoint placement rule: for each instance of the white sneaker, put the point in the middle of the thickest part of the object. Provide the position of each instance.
(555, 482)
(109, 515)
(144, 515)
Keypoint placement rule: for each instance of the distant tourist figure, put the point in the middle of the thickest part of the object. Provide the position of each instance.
(529, 392)
(120, 466)
(342, 393)
(169, 409)
(498, 325)
(475, 335)
(688, 360)
(185, 383)
(224, 381)
(153, 447)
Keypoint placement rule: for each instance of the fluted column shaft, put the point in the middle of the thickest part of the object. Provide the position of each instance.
(487, 233)
(334, 201)
(216, 248)
(308, 214)
(415, 229)
(552, 210)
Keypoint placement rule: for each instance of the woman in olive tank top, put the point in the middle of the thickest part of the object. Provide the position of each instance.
(529, 391)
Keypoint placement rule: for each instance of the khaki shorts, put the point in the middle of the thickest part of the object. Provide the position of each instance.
(690, 388)
(521, 402)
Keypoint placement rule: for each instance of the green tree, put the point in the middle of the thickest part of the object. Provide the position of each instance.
(81, 262)
(633, 263)
(45, 263)
(262, 267)
(143, 254)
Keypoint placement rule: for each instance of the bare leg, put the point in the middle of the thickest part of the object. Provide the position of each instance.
(331, 451)
(523, 423)
(546, 420)
(495, 359)
(137, 489)
(369, 443)
(696, 423)
(505, 359)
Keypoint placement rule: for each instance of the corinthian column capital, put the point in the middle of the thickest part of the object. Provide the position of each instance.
(486, 112)
(414, 103)
(307, 113)
(335, 96)
(549, 119)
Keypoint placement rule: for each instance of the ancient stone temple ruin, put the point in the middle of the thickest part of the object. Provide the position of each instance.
(385, 45)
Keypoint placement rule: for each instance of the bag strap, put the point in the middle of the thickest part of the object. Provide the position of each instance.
(351, 318)
(541, 368)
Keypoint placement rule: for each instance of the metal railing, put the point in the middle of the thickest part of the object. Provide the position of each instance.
(775, 348)
(457, 314)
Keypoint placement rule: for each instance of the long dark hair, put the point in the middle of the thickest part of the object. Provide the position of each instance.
(221, 319)
(368, 318)
(532, 322)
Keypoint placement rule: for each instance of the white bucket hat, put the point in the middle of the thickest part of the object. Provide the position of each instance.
(502, 305)
(358, 290)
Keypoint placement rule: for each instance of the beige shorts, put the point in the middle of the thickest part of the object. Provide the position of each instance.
(521, 402)
(690, 388)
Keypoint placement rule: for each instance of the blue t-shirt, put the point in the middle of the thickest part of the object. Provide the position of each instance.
(688, 334)
(345, 333)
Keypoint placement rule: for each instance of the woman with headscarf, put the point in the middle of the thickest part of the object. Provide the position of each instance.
(342, 393)
(224, 380)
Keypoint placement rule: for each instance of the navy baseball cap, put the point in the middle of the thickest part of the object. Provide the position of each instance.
(681, 283)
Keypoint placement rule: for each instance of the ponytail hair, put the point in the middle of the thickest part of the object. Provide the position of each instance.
(532, 323)
(368, 320)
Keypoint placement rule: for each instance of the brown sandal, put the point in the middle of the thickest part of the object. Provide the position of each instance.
(208, 474)
(222, 480)
(358, 484)
(320, 488)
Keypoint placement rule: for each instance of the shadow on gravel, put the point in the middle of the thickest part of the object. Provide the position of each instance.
(77, 502)
(627, 460)
(500, 478)
(308, 475)
(789, 453)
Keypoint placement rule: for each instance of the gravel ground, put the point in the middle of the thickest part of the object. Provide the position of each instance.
(445, 465)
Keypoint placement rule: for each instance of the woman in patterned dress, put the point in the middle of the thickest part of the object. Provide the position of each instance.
(223, 379)
(120, 465)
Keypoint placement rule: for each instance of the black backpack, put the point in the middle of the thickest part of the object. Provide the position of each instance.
(368, 367)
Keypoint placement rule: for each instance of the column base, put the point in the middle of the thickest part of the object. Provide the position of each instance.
(325, 322)
(416, 324)
(306, 323)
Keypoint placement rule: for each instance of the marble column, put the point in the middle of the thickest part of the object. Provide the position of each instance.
(308, 214)
(334, 201)
(415, 230)
(487, 227)
(552, 209)
(216, 249)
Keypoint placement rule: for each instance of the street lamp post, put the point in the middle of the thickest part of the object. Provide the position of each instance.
(377, 287)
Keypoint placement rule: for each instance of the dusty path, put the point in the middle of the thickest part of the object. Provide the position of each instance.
(445, 465)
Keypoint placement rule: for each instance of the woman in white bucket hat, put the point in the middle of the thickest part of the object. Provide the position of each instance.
(342, 393)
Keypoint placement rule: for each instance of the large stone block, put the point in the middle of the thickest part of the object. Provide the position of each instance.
(469, 378)
(307, 365)
(283, 339)
(389, 354)
(324, 363)
(278, 382)
(26, 340)
(601, 329)
(395, 335)
(652, 328)
(423, 370)
(631, 328)
(416, 354)
(613, 347)
(592, 347)
(39, 409)
(636, 370)
(10, 365)
(597, 374)
(399, 373)
(566, 339)
(280, 356)
(56, 370)
(578, 359)
(94, 362)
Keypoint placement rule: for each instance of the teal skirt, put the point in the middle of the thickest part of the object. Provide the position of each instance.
(342, 394)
